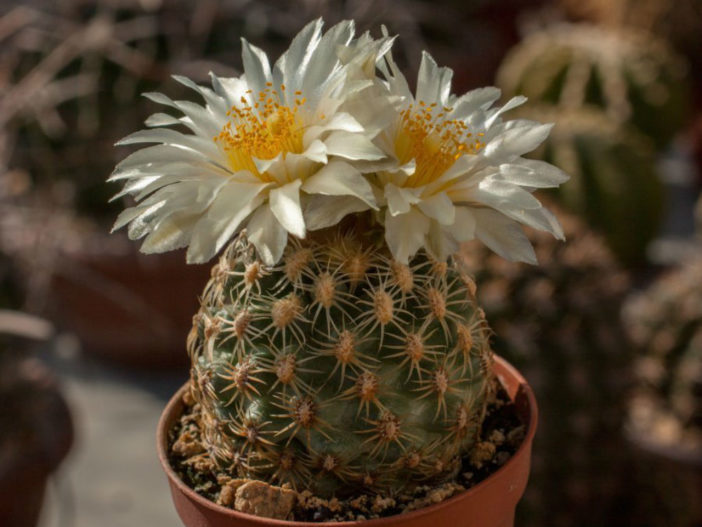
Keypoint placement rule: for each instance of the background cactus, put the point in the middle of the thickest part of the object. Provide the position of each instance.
(614, 184)
(559, 323)
(339, 367)
(665, 420)
(633, 77)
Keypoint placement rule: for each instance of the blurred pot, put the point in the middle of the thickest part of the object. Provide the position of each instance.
(491, 503)
(36, 435)
(126, 307)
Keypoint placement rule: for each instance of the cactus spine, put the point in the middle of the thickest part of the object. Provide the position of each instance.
(339, 367)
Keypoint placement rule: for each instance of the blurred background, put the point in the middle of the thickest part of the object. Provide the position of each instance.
(608, 328)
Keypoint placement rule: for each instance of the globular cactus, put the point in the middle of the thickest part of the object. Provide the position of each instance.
(666, 320)
(339, 367)
(560, 324)
(633, 77)
(614, 184)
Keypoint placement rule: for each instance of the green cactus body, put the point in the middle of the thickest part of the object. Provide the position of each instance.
(559, 323)
(339, 368)
(614, 184)
(634, 78)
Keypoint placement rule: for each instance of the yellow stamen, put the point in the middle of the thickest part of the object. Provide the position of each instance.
(433, 142)
(262, 131)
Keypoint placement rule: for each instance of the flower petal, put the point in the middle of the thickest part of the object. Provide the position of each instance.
(438, 207)
(257, 70)
(339, 178)
(267, 235)
(285, 204)
(400, 200)
(433, 82)
(532, 173)
(405, 233)
(503, 235)
(352, 146)
(325, 211)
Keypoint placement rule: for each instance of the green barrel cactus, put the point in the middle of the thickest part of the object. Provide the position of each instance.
(614, 183)
(340, 368)
(560, 324)
(633, 77)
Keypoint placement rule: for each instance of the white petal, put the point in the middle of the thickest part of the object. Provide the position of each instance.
(285, 205)
(400, 200)
(172, 233)
(463, 228)
(161, 119)
(267, 235)
(504, 196)
(352, 146)
(256, 67)
(503, 235)
(438, 207)
(325, 211)
(339, 121)
(222, 219)
(405, 233)
(516, 141)
(509, 105)
(316, 151)
(433, 82)
(339, 178)
(474, 100)
(439, 242)
(533, 173)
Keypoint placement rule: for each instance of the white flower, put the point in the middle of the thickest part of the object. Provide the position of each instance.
(265, 147)
(458, 173)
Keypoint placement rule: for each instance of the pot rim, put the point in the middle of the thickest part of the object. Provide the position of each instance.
(502, 369)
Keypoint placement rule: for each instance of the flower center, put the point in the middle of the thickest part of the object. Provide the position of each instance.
(433, 142)
(262, 129)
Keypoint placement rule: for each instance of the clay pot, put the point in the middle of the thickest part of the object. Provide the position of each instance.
(97, 294)
(41, 438)
(491, 503)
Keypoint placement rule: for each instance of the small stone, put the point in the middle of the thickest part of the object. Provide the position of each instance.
(227, 496)
(497, 437)
(262, 499)
(482, 453)
(187, 445)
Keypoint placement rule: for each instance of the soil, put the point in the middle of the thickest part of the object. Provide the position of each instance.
(502, 434)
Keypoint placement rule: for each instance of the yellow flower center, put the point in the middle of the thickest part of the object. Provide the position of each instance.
(261, 128)
(433, 142)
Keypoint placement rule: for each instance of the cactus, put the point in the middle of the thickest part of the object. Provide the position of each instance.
(666, 319)
(614, 184)
(339, 363)
(633, 77)
(559, 323)
(338, 347)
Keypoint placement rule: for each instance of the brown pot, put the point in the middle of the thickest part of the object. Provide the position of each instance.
(491, 503)
(97, 294)
(43, 435)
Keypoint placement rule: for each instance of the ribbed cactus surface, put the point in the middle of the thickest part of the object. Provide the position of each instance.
(633, 77)
(339, 367)
(559, 323)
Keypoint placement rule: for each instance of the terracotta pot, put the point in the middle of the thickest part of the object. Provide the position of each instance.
(96, 295)
(491, 503)
(27, 461)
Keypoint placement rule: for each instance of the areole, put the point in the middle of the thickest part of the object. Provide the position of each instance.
(491, 503)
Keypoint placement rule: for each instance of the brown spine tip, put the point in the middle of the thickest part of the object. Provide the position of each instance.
(285, 311)
(440, 380)
(330, 463)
